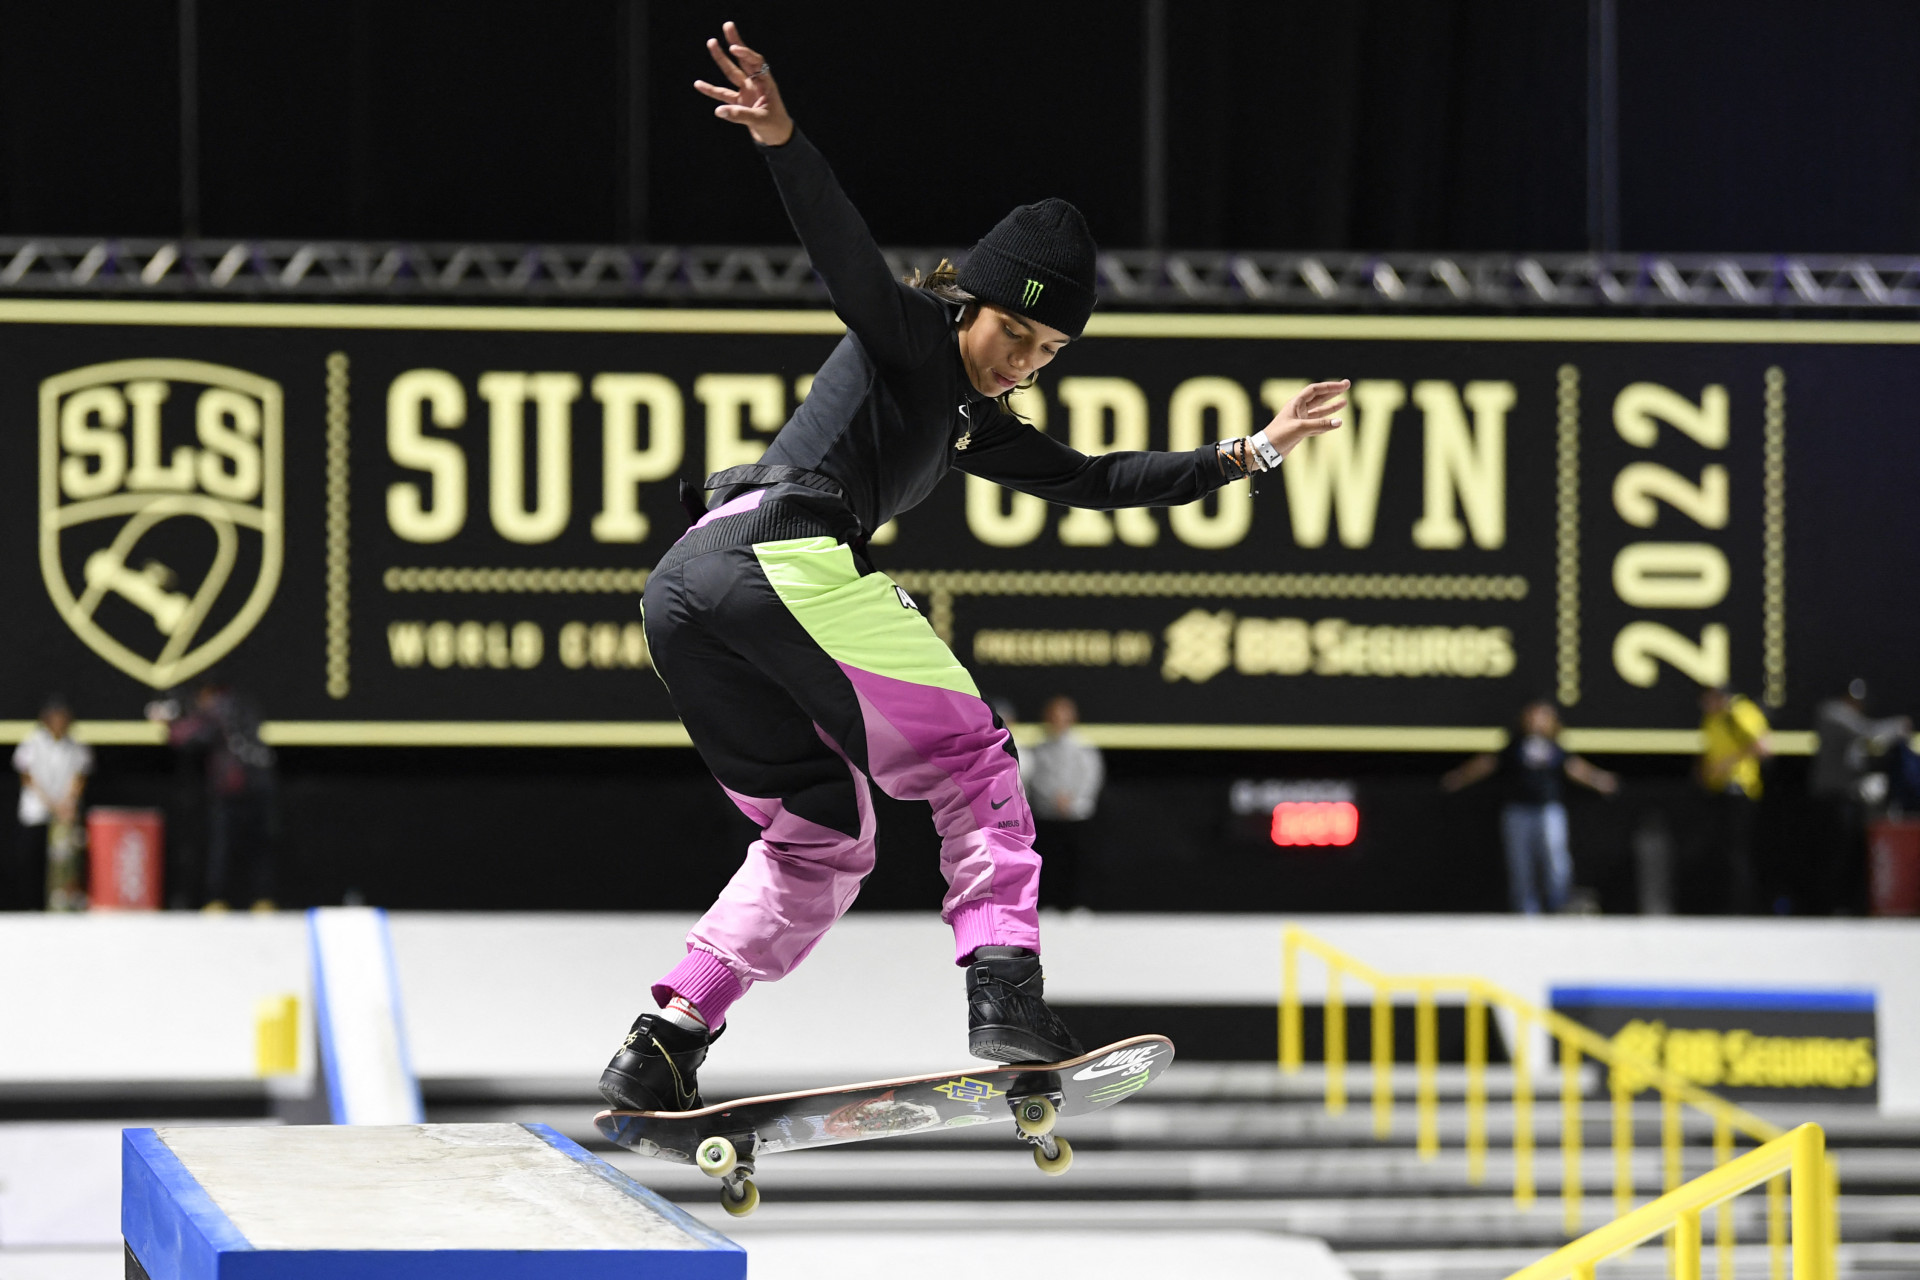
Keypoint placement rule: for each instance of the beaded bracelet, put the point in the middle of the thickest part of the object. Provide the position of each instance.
(1234, 452)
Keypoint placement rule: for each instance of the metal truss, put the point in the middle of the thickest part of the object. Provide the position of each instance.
(1132, 279)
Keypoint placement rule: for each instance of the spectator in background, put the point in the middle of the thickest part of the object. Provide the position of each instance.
(242, 822)
(1733, 734)
(186, 845)
(1533, 821)
(53, 771)
(1063, 776)
(1848, 742)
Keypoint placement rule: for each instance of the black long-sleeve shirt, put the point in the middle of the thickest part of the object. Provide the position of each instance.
(890, 408)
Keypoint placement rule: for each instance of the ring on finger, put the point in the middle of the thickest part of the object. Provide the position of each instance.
(764, 68)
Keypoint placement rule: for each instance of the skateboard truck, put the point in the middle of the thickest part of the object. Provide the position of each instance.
(1036, 1101)
(717, 1157)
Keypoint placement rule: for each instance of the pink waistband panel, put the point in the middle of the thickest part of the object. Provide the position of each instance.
(745, 502)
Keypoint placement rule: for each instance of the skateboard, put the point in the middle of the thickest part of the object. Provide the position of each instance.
(724, 1141)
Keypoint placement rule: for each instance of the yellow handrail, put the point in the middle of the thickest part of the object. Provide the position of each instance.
(1630, 1073)
(1800, 1153)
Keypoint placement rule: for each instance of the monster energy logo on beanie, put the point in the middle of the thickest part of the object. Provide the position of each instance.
(1039, 263)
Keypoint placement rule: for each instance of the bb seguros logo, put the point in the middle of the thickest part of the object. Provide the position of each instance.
(162, 525)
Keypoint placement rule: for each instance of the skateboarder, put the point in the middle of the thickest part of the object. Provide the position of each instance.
(800, 673)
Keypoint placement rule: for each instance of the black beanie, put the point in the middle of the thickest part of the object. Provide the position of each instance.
(1038, 263)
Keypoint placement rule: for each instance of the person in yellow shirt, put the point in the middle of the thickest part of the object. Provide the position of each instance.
(1733, 734)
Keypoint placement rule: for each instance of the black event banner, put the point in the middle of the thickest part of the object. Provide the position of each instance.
(432, 525)
(1803, 1046)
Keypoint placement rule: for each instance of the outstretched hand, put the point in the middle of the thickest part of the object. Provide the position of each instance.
(1307, 414)
(754, 99)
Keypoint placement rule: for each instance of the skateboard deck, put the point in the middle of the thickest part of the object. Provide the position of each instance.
(724, 1140)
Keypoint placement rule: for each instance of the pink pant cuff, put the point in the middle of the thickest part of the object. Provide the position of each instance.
(705, 981)
(974, 926)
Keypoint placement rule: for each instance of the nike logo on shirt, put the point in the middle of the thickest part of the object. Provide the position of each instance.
(996, 804)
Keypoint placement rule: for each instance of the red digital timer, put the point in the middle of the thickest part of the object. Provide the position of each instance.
(1315, 822)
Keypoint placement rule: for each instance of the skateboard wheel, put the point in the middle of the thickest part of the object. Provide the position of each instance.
(716, 1157)
(748, 1201)
(1060, 1163)
(1035, 1117)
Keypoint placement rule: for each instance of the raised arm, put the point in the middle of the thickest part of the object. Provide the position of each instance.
(1476, 769)
(1588, 774)
(1009, 452)
(1873, 736)
(897, 324)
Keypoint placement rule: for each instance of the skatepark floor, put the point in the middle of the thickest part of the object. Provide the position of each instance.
(1221, 1182)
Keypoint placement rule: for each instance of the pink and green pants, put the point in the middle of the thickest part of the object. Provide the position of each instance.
(800, 675)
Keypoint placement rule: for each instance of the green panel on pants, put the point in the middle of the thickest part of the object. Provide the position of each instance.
(862, 621)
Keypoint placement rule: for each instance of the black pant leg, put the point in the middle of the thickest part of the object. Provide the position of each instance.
(1737, 816)
(26, 888)
(1847, 858)
(1818, 879)
(1058, 843)
(222, 818)
(753, 735)
(251, 853)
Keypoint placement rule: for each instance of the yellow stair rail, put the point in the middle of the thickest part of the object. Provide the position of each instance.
(1629, 1074)
(1799, 1153)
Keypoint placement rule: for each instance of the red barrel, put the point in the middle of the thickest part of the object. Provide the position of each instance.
(1893, 867)
(125, 858)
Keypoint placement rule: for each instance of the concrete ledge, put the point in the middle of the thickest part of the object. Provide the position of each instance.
(426, 1202)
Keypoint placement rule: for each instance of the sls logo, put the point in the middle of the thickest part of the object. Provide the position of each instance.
(161, 525)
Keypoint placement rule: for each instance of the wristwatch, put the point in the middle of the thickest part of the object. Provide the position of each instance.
(1264, 450)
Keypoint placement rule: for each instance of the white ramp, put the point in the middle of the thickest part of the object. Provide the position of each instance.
(426, 1202)
(356, 995)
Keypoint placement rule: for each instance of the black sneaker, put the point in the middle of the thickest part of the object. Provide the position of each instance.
(654, 1070)
(1007, 1020)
